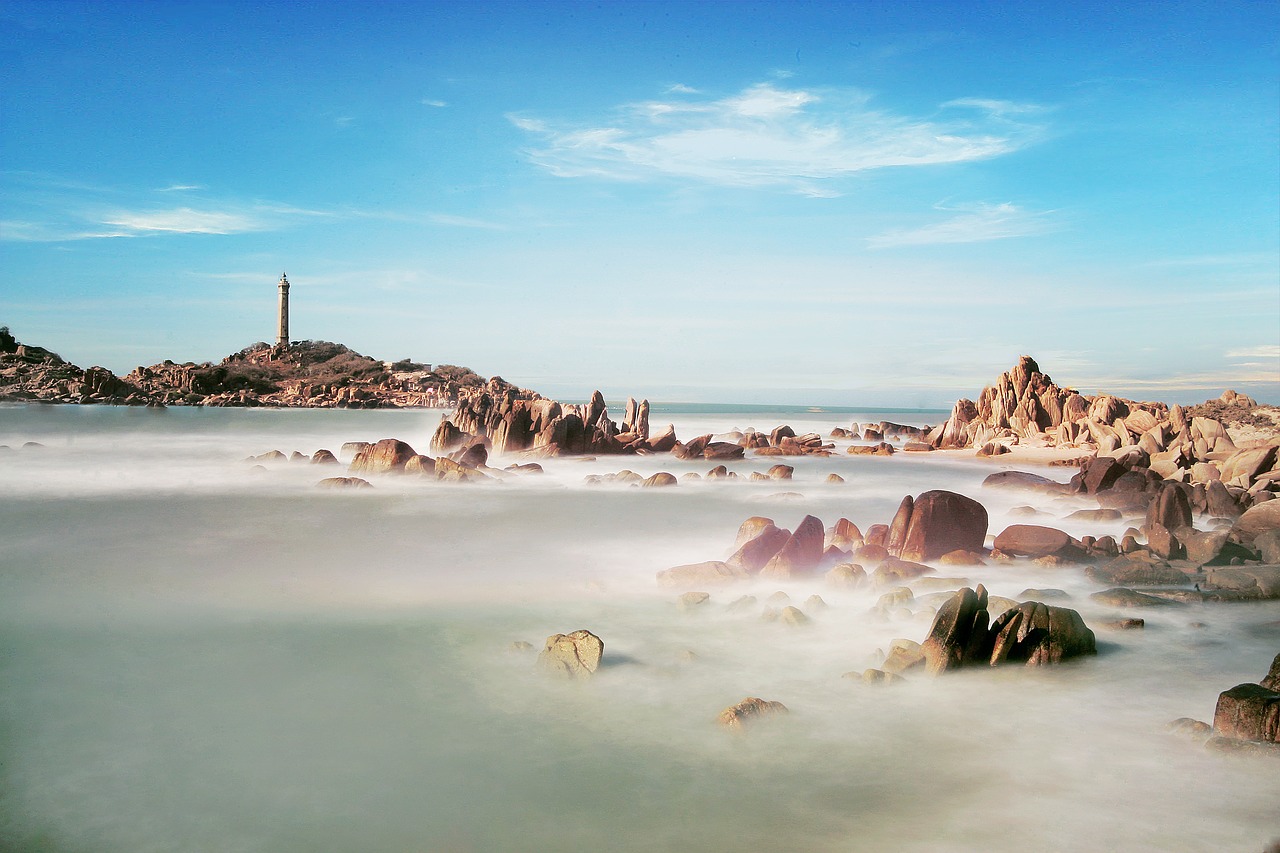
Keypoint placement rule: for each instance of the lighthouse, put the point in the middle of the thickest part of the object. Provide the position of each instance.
(282, 330)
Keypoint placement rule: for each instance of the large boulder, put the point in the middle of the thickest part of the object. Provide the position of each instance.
(1171, 507)
(386, 456)
(1248, 712)
(1257, 520)
(958, 633)
(755, 553)
(1039, 635)
(1035, 541)
(802, 553)
(575, 655)
(941, 522)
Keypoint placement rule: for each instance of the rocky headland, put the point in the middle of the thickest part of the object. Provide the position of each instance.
(303, 374)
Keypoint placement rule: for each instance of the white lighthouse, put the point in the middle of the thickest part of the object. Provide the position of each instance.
(282, 330)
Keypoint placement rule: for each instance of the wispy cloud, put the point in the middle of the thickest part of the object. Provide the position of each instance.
(432, 102)
(681, 89)
(769, 135)
(972, 224)
(183, 220)
(176, 188)
(1271, 351)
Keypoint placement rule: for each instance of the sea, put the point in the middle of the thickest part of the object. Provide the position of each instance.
(200, 651)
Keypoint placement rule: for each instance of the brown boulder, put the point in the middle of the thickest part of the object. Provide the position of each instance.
(941, 522)
(1034, 540)
(1136, 570)
(386, 456)
(958, 633)
(847, 575)
(895, 571)
(1039, 635)
(755, 553)
(344, 483)
(1256, 520)
(1171, 507)
(662, 478)
(323, 457)
(722, 450)
(802, 553)
(1248, 712)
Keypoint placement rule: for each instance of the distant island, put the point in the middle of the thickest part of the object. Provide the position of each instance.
(299, 374)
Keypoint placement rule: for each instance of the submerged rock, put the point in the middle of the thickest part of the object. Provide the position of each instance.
(736, 717)
(575, 655)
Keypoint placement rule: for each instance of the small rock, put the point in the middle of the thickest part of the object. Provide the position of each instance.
(691, 600)
(736, 717)
(576, 655)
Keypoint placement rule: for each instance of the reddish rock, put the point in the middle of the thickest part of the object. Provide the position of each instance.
(959, 632)
(1170, 508)
(323, 457)
(388, 455)
(344, 483)
(940, 522)
(780, 472)
(897, 533)
(722, 450)
(1248, 712)
(1033, 540)
(754, 554)
(895, 571)
(1039, 635)
(845, 535)
(802, 553)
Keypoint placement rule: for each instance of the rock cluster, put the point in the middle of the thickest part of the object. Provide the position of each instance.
(510, 422)
(1032, 633)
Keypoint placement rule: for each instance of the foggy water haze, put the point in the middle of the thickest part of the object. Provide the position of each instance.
(204, 655)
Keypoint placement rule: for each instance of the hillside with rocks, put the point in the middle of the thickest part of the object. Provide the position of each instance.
(304, 374)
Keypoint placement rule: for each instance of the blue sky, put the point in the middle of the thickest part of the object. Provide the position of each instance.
(811, 203)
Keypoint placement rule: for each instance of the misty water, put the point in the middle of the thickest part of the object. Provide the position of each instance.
(201, 655)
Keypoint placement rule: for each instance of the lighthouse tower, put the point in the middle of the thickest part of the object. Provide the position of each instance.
(282, 330)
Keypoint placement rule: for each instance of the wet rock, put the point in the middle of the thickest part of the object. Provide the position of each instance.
(755, 553)
(1043, 594)
(693, 600)
(749, 710)
(576, 655)
(895, 571)
(323, 457)
(834, 478)
(846, 576)
(1256, 521)
(940, 522)
(344, 483)
(1162, 542)
(387, 456)
(962, 558)
(1126, 624)
(880, 677)
(802, 553)
(1272, 681)
(742, 604)
(420, 465)
(1033, 540)
(1039, 635)
(1122, 597)
(1170, 508)
(1021, 480)
(700, 574)
(722, 450)
(1248, 582)
(815, 602)
(1095, 515)
(958, 633)
(844, 535)
(793, 616)
(449, 471)
(780, 472)
(659, 480)
(751, 528)
(1248, 712)
(903, 655)
(1136, 570)
(1187, 727)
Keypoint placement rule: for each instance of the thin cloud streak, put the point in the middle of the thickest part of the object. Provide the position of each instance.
(980, 223)
(767, 135)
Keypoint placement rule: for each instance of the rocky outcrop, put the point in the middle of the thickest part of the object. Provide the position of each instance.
(801, 555)
(1030, 633)
(386, 456)
(575, 655)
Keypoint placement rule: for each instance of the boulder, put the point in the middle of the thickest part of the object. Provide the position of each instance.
(846, 575)
(1272, 681)
(894, 571)
(344, 483)
(1268, 546)
(1256, 520)
(751, 528)
(702, 574)
(323, 457)
(1039, 635)
(903, 655)
(942, 522)
(1021, 480)
(662, 478)
(1248, 712)
(388, 455)
(722, 450)
(1247, 582)
(1171, 507)
(802, 553)
(1121, 597)
(1136, 569)
(749, 710)
(755, 553)
(575, 655)
(1034, 540)
(958, 633)
(845, 535)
